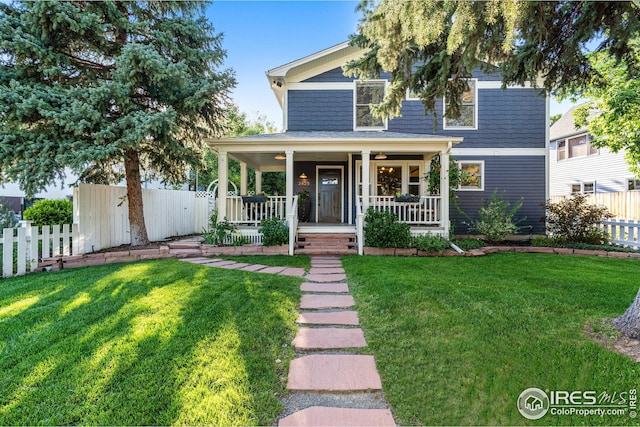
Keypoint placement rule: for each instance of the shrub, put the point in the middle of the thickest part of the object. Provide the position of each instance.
(382, 230)
(50, 212)
(275, 231)
(7, 218)
(497, 219)
(575, 221)
(218, 232)
(468, 244)
(431, 243)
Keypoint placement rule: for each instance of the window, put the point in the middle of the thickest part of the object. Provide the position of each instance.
(578, 146)
(414, 180)
(389, 180)
(472, 175)
(576, 188)
(368, 94)
(468, 110)
(588, 187)
(633, 184)
(390, 177)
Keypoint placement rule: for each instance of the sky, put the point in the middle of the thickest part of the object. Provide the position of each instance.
(261, 35)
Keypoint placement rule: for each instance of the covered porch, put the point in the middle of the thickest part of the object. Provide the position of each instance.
(341, 174)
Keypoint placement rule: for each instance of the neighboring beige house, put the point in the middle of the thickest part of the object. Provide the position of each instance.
(576, 166)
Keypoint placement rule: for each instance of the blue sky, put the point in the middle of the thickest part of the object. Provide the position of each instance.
(261, 35)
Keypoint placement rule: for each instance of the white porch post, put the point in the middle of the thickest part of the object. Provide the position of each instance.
(444, 189)
(243, 178)
(366, 168)
(258, 182)
(289, 177)
(223, 184)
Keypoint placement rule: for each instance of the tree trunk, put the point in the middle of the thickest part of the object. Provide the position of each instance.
(134, 197)
(629, 323)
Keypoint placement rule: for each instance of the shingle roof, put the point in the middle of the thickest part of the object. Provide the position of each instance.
(565, 126)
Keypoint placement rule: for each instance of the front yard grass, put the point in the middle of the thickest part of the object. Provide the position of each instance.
(457, 340)
(152, 343)
(297, 261)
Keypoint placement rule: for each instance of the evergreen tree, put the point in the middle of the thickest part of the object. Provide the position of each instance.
(106, 88)
(430, 47)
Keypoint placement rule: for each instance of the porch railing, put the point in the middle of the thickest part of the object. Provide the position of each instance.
(251, 212)
(425, 211)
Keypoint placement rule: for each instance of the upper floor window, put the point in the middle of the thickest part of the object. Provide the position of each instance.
(368, 94)
(578, 146)
(472, 175)
(468, 110)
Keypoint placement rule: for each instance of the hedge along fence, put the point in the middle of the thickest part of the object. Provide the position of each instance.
(28, 245)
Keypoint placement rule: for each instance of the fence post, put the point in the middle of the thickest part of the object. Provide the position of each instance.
(7, 252)
(22, 251)
(32, 252)
(56, 240)
(46, 241)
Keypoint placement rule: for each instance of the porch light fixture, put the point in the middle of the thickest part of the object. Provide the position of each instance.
(303, 175)
(380, 156)
(280, 156)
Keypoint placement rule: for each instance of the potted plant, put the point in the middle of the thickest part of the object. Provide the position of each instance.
(304, 206)
(258, 198)
(407, 198)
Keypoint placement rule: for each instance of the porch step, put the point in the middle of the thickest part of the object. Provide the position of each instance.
(315, 251)
(326, 244)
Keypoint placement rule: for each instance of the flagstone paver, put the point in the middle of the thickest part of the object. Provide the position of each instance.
(308, 302)
(273, 270)
(328, 338)
(324, 287)
(234, 266)
(219, 263)
(333, 372)
(326, 270)
(343, 317)
(326, 277)
(335, 417)
(254, 267)
(294, 272)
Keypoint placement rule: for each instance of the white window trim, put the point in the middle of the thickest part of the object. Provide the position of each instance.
(567, 148)
(355, 104)
(408, 96)
(482, 173)
(475, 111)
(589, 192)
(404, 164)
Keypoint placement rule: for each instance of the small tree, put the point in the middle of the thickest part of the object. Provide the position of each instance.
(574, 220)
(497, 219)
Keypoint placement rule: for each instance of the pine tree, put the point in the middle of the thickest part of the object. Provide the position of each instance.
(107, 88)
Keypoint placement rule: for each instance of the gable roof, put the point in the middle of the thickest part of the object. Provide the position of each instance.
(566, 126)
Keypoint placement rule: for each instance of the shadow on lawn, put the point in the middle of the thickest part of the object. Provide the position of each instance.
(154, 343)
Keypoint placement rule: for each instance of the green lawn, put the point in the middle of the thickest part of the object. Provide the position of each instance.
(297, 261)
(152, 343)
(457, 340)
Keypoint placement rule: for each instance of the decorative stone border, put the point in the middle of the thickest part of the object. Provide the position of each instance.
(172, 250)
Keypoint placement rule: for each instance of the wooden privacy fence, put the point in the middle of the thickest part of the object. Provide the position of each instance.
(24, 247)
(624, 204)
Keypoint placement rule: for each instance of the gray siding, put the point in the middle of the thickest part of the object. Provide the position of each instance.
(513, 118)
(329, 110)
(513, 177)
(336, 75)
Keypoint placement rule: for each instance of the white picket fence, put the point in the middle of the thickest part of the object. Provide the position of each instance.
(55, 240)
(623, 232)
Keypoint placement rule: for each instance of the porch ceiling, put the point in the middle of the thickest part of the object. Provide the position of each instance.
(259, 151)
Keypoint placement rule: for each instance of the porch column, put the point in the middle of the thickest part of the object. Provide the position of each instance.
(444, 189)
(223, 184)
(366, 171)
(258, 182)
(289, 177)
(243, 178)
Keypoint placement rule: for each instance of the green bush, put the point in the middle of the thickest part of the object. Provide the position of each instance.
(431, 243)
(382, 230)
(275, 231)
(50, 212)
(497, 219)
(221, 232)
(573, 220)
(468, 244)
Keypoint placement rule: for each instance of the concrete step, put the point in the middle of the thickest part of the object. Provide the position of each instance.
(328, 338)
(335, 417)
(333, 373)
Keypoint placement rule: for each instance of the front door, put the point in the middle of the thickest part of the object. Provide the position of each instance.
(329, 195)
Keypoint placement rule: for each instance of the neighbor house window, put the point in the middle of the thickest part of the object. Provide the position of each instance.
(367, 95)
(633, 184)
(472, 175)
(468, 109)
(588, 187)
(576, 188)
(578, 146)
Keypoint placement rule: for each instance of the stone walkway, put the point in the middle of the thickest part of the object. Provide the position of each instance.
(330, 384)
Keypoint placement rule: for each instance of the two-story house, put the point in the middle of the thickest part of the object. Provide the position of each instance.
(576, 166)
(348, 160)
